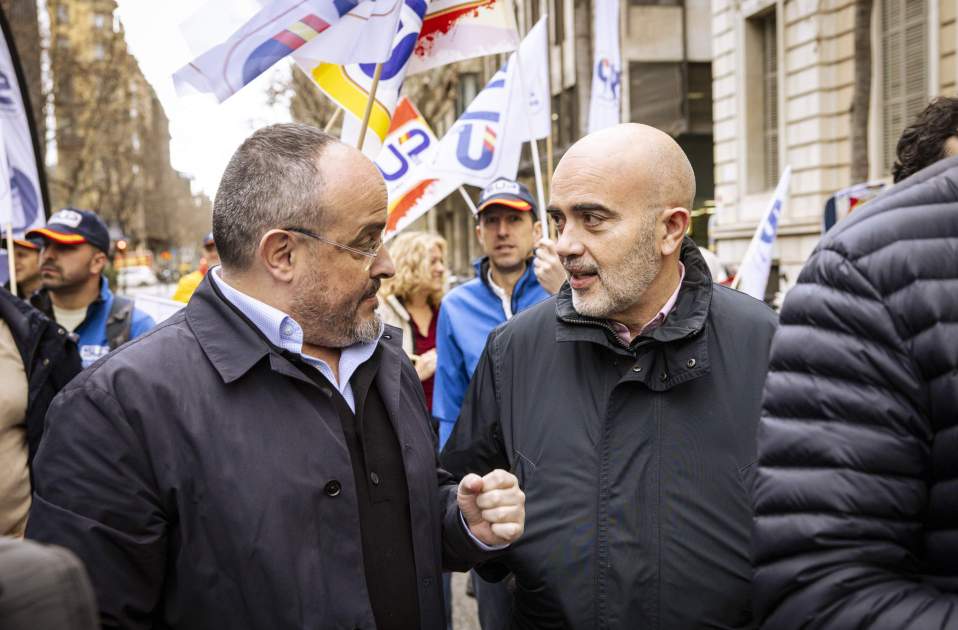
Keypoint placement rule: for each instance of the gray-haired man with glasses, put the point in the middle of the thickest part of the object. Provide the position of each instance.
(264, 458)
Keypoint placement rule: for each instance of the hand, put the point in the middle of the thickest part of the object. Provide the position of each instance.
(548, 269)
(425, 364)
(493, 507)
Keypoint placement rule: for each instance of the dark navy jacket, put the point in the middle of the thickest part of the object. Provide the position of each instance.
(205, 481)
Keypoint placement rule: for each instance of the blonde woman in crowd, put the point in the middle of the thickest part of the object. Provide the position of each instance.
(410, 299)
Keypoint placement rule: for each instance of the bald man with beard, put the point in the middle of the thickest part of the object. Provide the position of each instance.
(627, 407)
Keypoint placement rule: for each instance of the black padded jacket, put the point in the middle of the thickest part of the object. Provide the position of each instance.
(856, 495)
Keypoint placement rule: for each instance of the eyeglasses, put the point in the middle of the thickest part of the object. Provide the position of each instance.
(370, 254)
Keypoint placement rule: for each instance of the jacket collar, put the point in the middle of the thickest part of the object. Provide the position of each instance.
(687, 318)
(482, 266)
(234, 345)
(229, 340)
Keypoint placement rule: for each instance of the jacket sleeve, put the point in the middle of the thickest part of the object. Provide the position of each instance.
(451, 378)
(844, 451)
(95, 495)
(476, 444)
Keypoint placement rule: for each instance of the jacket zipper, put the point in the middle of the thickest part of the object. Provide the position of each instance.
(586, 322)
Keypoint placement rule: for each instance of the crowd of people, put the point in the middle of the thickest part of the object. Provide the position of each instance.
(604, 433)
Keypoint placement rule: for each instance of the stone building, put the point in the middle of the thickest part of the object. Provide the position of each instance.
(783, 74)
(112, 135)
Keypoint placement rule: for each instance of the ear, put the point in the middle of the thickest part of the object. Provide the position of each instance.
(676, 223)
(97, 263)
(479, 230)
(276, 253)
(537, 230)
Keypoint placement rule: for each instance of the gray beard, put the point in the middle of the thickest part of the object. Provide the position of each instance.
(622, 286)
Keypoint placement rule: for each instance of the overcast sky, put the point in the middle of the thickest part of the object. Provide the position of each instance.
(204, 133)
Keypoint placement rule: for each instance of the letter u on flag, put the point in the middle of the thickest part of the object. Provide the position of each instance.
(280, 27)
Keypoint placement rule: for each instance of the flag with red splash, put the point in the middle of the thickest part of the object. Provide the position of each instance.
(454, 30)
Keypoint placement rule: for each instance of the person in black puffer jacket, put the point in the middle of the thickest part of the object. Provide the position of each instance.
(856, 495)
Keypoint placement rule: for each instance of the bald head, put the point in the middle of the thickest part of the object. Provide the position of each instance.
(632, 163)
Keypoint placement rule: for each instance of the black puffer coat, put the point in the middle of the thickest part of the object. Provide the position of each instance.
(856, 495)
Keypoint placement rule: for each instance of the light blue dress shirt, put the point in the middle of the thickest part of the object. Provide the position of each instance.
(284, 332)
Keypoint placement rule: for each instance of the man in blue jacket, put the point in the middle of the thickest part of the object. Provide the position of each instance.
(510, 277)
(75, 294)
(515, 273)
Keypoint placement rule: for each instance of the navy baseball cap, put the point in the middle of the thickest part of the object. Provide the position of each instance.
(75, 227)
(30, 243)
(508, 193)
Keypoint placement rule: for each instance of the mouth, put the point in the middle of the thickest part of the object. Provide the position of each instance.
(49, 270)
(582, 278)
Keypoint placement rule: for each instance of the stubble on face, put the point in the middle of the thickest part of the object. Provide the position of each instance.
(334, 305)
(622, 281)
(69, 270)
(330, 322)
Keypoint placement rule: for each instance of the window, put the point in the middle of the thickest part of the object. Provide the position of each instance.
(699, 95)
(564, 118)
(99, 52)
(468, 89)
(770, 99)
(558, 22)
(657, 95)
(904, 50)
(63, 13)
(761, 102)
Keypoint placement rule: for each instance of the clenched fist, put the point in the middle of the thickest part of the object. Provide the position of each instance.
(493, 507)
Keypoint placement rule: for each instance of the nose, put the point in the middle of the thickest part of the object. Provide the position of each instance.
(382, 266)
(502, 229)
(568, 244)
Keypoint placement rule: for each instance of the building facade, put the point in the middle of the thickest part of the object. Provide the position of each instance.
(783, 74)
(111, 133)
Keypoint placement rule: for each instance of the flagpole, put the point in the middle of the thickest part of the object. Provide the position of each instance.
(332, 119)
(469, 201)
(369, 106)
(10, 261)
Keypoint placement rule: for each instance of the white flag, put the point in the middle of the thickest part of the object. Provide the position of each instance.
(752, 276)
(454, 30)
(349, 85)
(604, 106)
(485, 143)
(339, 31)
(534, 60)
(22, 202)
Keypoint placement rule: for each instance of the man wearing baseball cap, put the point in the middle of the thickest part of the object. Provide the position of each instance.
(519, 269)
(74, 292)
(188, 283)
(26, 261)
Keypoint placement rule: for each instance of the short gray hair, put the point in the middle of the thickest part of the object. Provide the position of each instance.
(272, 181)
